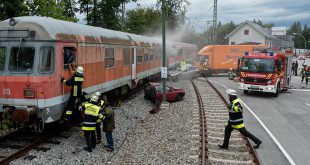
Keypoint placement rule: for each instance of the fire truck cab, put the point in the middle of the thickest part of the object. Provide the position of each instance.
(265, 71)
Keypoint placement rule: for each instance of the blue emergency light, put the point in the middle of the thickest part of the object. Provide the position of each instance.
(271, 53)
(246, 53)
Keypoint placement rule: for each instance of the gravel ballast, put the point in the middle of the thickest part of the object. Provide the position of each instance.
(139, 137)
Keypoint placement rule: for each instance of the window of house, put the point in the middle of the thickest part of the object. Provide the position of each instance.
(139, 56)
(46, 59)
(246, 32)
(2, 58)
(233, 43)
(21, 59)
(69, 54)
(109, 58)
(126, 56)
(146, 55)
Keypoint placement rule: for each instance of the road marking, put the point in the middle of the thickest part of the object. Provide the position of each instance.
(308, 104)
(288, 157)
(303, 90)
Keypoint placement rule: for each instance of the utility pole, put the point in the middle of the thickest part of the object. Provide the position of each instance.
(123, 15)
(214, 37)
(164, 68)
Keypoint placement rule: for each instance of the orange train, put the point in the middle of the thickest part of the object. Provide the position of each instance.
(35, 53)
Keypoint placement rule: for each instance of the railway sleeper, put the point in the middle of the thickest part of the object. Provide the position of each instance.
(230, 162)
(243, 156)
(217, 118)
(221, 134)
(222, 138)
(232, 142)
(231, 147)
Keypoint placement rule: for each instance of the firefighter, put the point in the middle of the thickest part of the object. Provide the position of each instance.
(101, 104)
(91, 116)
(231, 74)
(75, 82)
(236, 121)
(302, 72)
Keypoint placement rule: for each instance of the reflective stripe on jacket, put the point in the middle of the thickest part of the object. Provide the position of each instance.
(91, 115)
(76, 85)
(235, 114)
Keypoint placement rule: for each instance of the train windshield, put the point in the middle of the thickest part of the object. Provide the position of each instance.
(257, 65)
(21, 59)
(2, 58)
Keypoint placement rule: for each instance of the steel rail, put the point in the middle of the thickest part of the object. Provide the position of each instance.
(202, 122)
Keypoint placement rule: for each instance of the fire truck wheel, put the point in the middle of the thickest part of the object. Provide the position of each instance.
(277, 91)
(245, 91)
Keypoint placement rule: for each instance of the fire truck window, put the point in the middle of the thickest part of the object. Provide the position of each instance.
(46, 59)
(2, 58)
(21, 59)
(69, 56)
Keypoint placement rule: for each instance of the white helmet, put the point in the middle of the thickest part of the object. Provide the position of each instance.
(231, 92)
(80, 70)
(94, 98)
(97, 93)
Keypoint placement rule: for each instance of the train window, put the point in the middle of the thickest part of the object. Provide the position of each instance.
(21, 59)
(126, 56)
(151, 57)
(46, 59)
(139, 56)
(146, 55)
(109, 58)
(69, 54)
(2, 58)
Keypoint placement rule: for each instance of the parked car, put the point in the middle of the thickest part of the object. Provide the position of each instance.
(307, 54)
(301, 57)
(154, 93)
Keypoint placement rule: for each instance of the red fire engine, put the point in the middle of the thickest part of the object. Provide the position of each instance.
(265, 71)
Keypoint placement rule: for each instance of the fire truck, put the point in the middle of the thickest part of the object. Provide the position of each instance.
(265, 71)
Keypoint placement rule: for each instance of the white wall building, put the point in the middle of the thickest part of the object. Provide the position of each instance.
(251, 33)
(278, 31)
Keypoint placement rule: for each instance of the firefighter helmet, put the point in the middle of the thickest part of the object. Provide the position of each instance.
(231, 92)
(80, 70)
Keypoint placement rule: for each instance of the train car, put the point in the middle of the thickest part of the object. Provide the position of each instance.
(35, 53)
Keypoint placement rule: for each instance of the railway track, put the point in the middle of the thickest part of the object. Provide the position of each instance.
(20, 142)
(213, 116)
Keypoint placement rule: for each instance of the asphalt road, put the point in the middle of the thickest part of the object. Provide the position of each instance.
(287, 117)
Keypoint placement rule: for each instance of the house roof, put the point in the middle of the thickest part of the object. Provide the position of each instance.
(264, 31)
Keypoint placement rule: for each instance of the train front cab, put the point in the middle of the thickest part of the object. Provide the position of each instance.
(30, 93)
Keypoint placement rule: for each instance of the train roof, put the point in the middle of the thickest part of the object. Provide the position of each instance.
(52, 29)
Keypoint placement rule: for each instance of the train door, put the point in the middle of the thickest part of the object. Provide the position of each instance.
(134, 64)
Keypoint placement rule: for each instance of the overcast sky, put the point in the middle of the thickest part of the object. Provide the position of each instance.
(280, 12)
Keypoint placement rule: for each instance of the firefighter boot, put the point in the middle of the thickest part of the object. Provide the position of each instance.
(223, 147)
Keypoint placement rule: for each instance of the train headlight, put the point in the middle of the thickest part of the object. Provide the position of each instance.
(29, 93)
(241, 79)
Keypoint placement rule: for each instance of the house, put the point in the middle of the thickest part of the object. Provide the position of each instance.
(251, 33)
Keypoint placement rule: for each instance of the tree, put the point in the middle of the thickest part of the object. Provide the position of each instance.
(9, 9)
(223, 31)
(143, 20)
(86, 7)
(175, 12)
(69, 8)
(298, 40)
(49, 8)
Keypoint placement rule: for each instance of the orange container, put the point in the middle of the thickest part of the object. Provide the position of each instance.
(223, 57)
